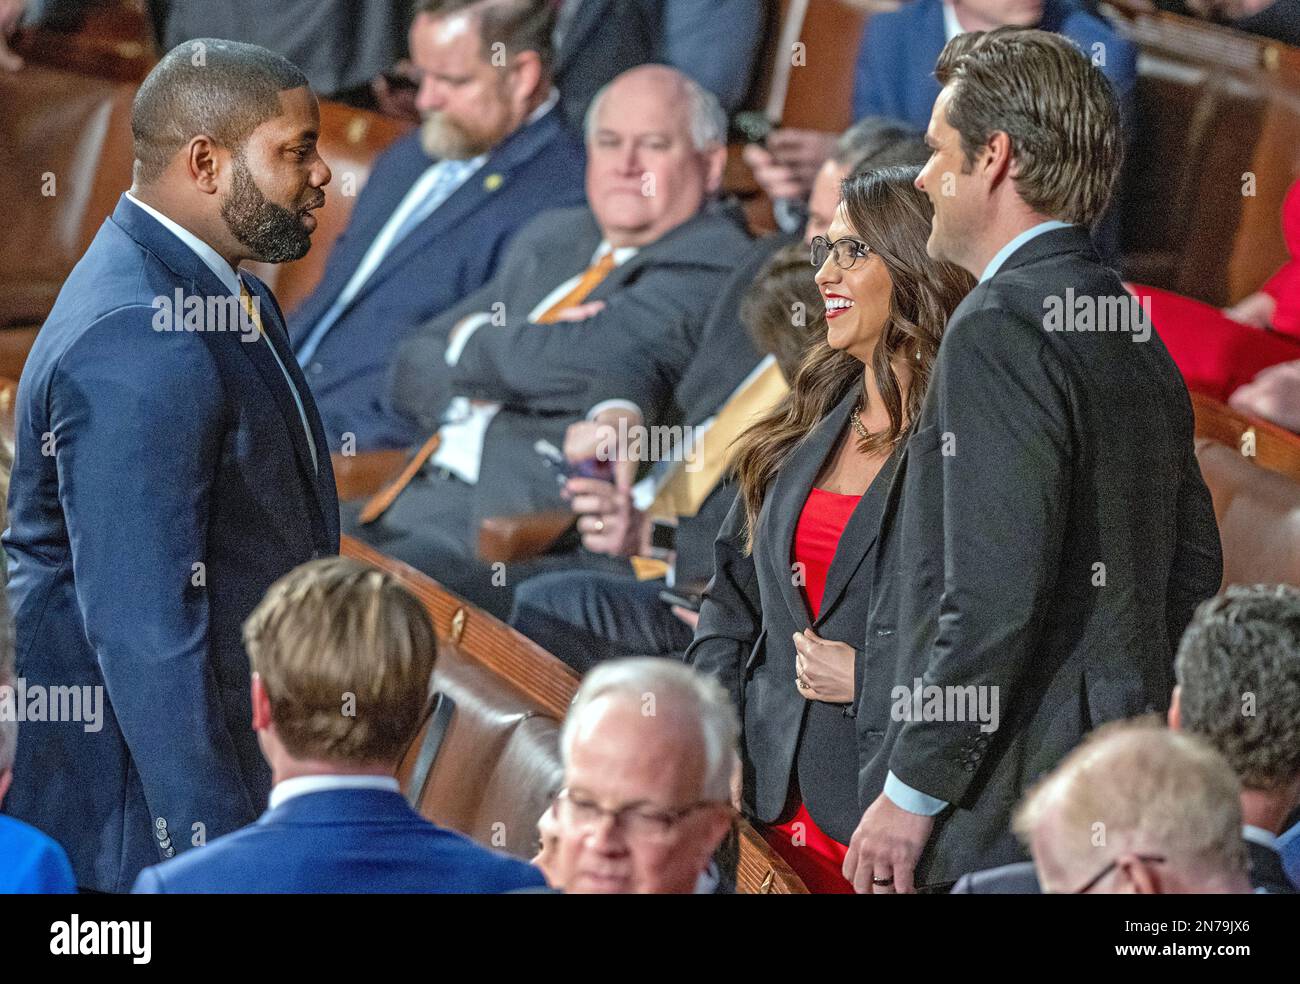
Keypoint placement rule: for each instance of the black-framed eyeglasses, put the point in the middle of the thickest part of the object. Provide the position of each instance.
(636, 820)
(848, 253)
(1097, 878)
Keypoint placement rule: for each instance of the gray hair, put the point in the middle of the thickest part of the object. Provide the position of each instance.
(1238, 668)
(1136, 786)
(708, 121)
(685, 691)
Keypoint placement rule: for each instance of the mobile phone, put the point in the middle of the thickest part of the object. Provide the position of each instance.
(690, 601)
(565, 469)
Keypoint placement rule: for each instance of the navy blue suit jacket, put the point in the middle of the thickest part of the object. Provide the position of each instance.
(449, 255)
(343, 840)
(162, 481)
(894, 75)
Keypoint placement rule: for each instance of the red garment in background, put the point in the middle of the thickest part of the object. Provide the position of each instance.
(815, 856)
(1284, 286)
(1214, 353)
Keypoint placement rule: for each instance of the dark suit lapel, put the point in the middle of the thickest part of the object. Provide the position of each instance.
(314, 478)
(202, 282)
(858, 537)
(789, 492)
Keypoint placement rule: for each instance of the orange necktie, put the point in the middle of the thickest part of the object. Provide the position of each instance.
(588, 282)
(382, 500)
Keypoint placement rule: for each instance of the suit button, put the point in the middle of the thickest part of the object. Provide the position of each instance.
(969, 766)
(170, 852)
(316, 369)
(160, 823)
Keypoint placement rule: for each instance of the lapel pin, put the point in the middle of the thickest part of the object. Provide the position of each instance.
(492, 182)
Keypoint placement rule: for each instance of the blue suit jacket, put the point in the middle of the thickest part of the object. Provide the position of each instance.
(894, 76)
(31, 863)
(162, 481)
(344, 840)
(450, 254)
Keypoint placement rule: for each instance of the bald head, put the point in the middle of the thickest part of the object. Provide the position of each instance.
(221, 89)
(656, 150)
(1159, 808)
(649, 747)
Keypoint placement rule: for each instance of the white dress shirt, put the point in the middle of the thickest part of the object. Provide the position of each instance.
(287, 789)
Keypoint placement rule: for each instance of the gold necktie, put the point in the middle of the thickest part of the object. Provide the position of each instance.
(587, 283)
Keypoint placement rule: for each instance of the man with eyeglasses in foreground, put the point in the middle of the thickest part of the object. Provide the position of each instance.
(649, 749)
(1137, 809)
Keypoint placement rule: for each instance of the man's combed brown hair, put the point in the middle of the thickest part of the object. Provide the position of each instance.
(519, 25)
(345, 653)
(1054, 104)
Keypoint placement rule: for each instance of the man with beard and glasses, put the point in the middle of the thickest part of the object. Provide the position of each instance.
(170, 465)
(441, 204)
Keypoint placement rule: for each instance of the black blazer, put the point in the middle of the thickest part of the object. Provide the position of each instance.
(751, 610)
(1048, 534)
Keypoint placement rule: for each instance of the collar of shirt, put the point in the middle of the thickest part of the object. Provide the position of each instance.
(211, 258)
(549, 103)
(287, 789)
(951, 25)
(1002, 255)
(1260, 836)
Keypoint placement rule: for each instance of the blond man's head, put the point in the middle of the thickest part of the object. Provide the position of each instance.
(1137, 808)
(343, 654)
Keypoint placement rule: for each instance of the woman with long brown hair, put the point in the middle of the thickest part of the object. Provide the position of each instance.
(783, 618)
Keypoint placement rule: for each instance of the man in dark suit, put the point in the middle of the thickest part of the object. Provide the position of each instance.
(580, 294)
(899, 48)
(441, 205)
(337, 820)
(1052, 530)
(715, 43)
(170, 465)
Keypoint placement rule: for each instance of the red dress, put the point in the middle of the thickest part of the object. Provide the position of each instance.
(815, 856)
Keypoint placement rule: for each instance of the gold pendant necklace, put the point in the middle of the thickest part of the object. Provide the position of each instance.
(857, 422)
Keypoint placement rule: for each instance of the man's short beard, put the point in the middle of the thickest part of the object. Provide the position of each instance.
(273, 233)
(447, 141)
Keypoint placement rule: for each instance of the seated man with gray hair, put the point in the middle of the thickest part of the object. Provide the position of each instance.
(579, 298)
(1238, 673)
(649, 749)
(1137, 809)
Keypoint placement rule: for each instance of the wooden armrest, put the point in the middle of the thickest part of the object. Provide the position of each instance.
(511, 538)
(359, 476)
